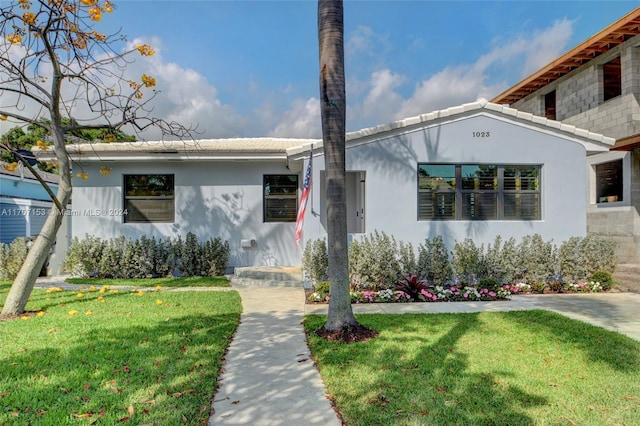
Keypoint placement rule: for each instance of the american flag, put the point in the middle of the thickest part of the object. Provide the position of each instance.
(306, 188)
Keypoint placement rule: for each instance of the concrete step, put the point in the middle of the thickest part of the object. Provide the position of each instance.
(253, 282)
(267, 276)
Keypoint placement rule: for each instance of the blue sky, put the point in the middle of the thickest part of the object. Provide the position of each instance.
(250, 68)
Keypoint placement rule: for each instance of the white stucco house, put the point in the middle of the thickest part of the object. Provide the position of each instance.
(476, 170)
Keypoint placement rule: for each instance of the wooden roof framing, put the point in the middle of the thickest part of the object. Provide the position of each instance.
(620, 31)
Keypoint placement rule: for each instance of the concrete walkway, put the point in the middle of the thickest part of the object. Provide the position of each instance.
(269, 377)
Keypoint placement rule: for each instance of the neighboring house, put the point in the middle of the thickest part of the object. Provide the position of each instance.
(596, 86)
(477, 170)
(24, 206)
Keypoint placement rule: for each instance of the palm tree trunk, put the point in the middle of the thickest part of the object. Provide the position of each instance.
(333, 111)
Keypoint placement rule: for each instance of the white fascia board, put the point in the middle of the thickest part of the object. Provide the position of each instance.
(173, 157)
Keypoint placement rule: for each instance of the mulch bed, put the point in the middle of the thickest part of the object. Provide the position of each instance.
(347, 334)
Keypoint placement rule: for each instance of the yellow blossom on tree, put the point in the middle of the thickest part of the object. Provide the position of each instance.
(88, 2)
(105, 170)
(24, 4)
(83, 175)
(29, 18)
(95, 14)
(14, 38)
(108, 6)
(10, 167)
(3, 117)
(145, 50)
(109, 137)
(43, 146)
(148, 81)
(98, 36)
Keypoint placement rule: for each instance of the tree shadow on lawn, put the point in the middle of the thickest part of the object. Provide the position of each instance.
(608, 347)
(166, 372)
(437, 384)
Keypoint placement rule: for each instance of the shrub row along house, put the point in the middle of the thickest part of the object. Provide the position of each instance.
(476, 170)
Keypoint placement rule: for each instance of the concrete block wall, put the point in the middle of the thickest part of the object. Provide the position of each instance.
(580, 95)
(620, 226)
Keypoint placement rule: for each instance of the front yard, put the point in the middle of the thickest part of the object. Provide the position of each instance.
(111, 356)
(507, 368)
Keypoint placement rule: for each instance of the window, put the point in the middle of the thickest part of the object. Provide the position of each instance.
(612, 79)
(478, 192)
(280, 198)
(550, 105)
(609, 182)
(149, 198)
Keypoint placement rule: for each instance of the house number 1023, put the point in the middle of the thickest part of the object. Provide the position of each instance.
(481, 134)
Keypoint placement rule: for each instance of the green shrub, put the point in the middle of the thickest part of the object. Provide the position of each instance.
(12, 257)
(467, 261)
(537, 258)
(537, 286)
(321, 291)
(215, 257)
(604, 278)
(190, 256)
(315, 261)
(83, 256)
(579, 258)
(500, 260)
(433, 261)
(490, 284)
(375, 262)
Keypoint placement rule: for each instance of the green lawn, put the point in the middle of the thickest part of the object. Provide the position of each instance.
(153, 282)
(116, 356)
(508, 368)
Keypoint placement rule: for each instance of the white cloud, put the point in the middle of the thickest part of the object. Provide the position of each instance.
(186, 97)
(301, 121)
(459, 84)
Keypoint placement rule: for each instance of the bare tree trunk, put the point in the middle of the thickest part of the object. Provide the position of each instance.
(23, 284)
(333, 111)
(38, 253)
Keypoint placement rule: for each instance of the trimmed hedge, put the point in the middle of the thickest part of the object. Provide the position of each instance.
(146, 257)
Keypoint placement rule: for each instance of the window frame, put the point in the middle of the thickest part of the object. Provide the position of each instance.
(603, 195)
(127, 199)
(273, 218)
(483, 189)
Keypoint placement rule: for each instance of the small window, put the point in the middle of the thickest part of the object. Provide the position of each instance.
(149, 198)
(550, 105)
(609, 182)
(280, 198)
(612, 79)
(479, 192)
(436, 191)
